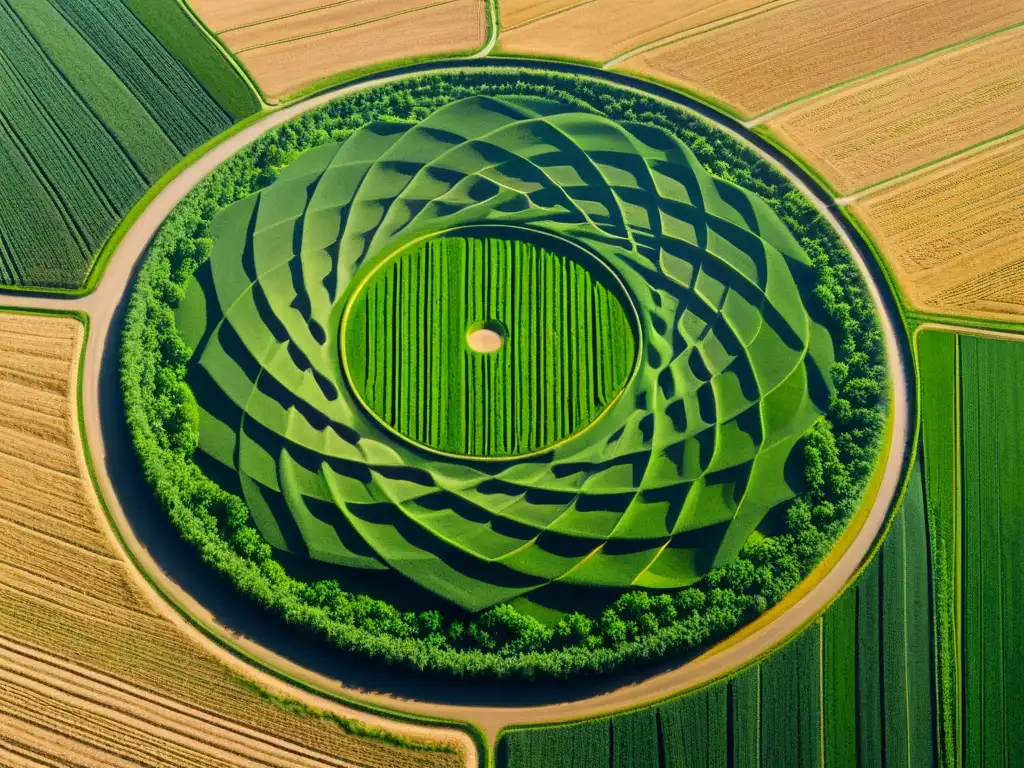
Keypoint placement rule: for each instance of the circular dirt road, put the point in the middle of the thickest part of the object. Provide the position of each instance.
(149, 538)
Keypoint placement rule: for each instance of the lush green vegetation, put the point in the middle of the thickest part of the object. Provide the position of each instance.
(569, 346)
(172, 25)
(855, 689)
(993, 580)
(938, 367)
(93, 110)
(831, 461)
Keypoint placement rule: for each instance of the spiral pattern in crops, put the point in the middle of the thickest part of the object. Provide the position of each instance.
(669, 481)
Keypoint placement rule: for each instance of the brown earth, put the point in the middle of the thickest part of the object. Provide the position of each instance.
(91, 671)
(800, 48)
(886, 125)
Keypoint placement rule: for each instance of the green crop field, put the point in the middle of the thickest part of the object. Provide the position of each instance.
(184, 39)
(940, 435)
(856, 689)
(645, 496)
(93, 110)
(993, 581)
(568, 345)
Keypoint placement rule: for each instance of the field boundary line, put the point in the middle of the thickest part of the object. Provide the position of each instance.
(778, 109)
(283, 16)
(367, 22)
(550, 14)
(697, 31)
(226, 52)
(958, 551)
(909, 175)
(821, 686)
(906, 639)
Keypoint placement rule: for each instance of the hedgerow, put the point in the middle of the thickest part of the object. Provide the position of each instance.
(639, 626)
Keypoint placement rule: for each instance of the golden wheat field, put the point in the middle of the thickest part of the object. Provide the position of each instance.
(884, 126)
(222, 15)
(293, 45)
(514, 13)
(90, 673)
(798, 49)
(602, 29)
(321, 20)
(955, 235)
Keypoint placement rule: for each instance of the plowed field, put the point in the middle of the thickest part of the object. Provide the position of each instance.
(90, 673)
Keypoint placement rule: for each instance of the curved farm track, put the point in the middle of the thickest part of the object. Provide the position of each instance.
(181, 578)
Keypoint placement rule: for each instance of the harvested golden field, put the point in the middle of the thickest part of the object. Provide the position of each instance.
(955, 235)
(886, 125)
(91, 672)
(798, 49)
(332, 17)
(602, 29)
(290, 46)
(221, 15)
(517, 12)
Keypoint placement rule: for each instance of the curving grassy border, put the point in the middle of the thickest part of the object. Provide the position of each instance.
(409, 651)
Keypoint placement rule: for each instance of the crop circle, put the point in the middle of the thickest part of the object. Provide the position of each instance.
(670, 482)
(743, 372)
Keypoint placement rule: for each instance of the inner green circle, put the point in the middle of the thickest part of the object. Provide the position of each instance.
(567, 348)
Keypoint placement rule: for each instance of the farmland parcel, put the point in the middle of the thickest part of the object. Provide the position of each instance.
(800, 48)
(993, 582)
(106, 678)
(601, 29)
(291, 46)
(883, 126)
(93, 110)
(954, 235)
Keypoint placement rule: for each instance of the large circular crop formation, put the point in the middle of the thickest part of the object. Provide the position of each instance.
(515, 352)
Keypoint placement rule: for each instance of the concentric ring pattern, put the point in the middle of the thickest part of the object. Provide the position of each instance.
(670, 482)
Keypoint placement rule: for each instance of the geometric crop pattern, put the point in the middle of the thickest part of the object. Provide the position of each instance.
(668, 483)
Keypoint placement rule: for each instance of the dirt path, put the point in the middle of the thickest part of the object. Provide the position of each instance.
(492, 26)
(966, 330)
(101, 400)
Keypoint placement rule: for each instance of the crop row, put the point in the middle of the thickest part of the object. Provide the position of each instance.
(93, 110)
